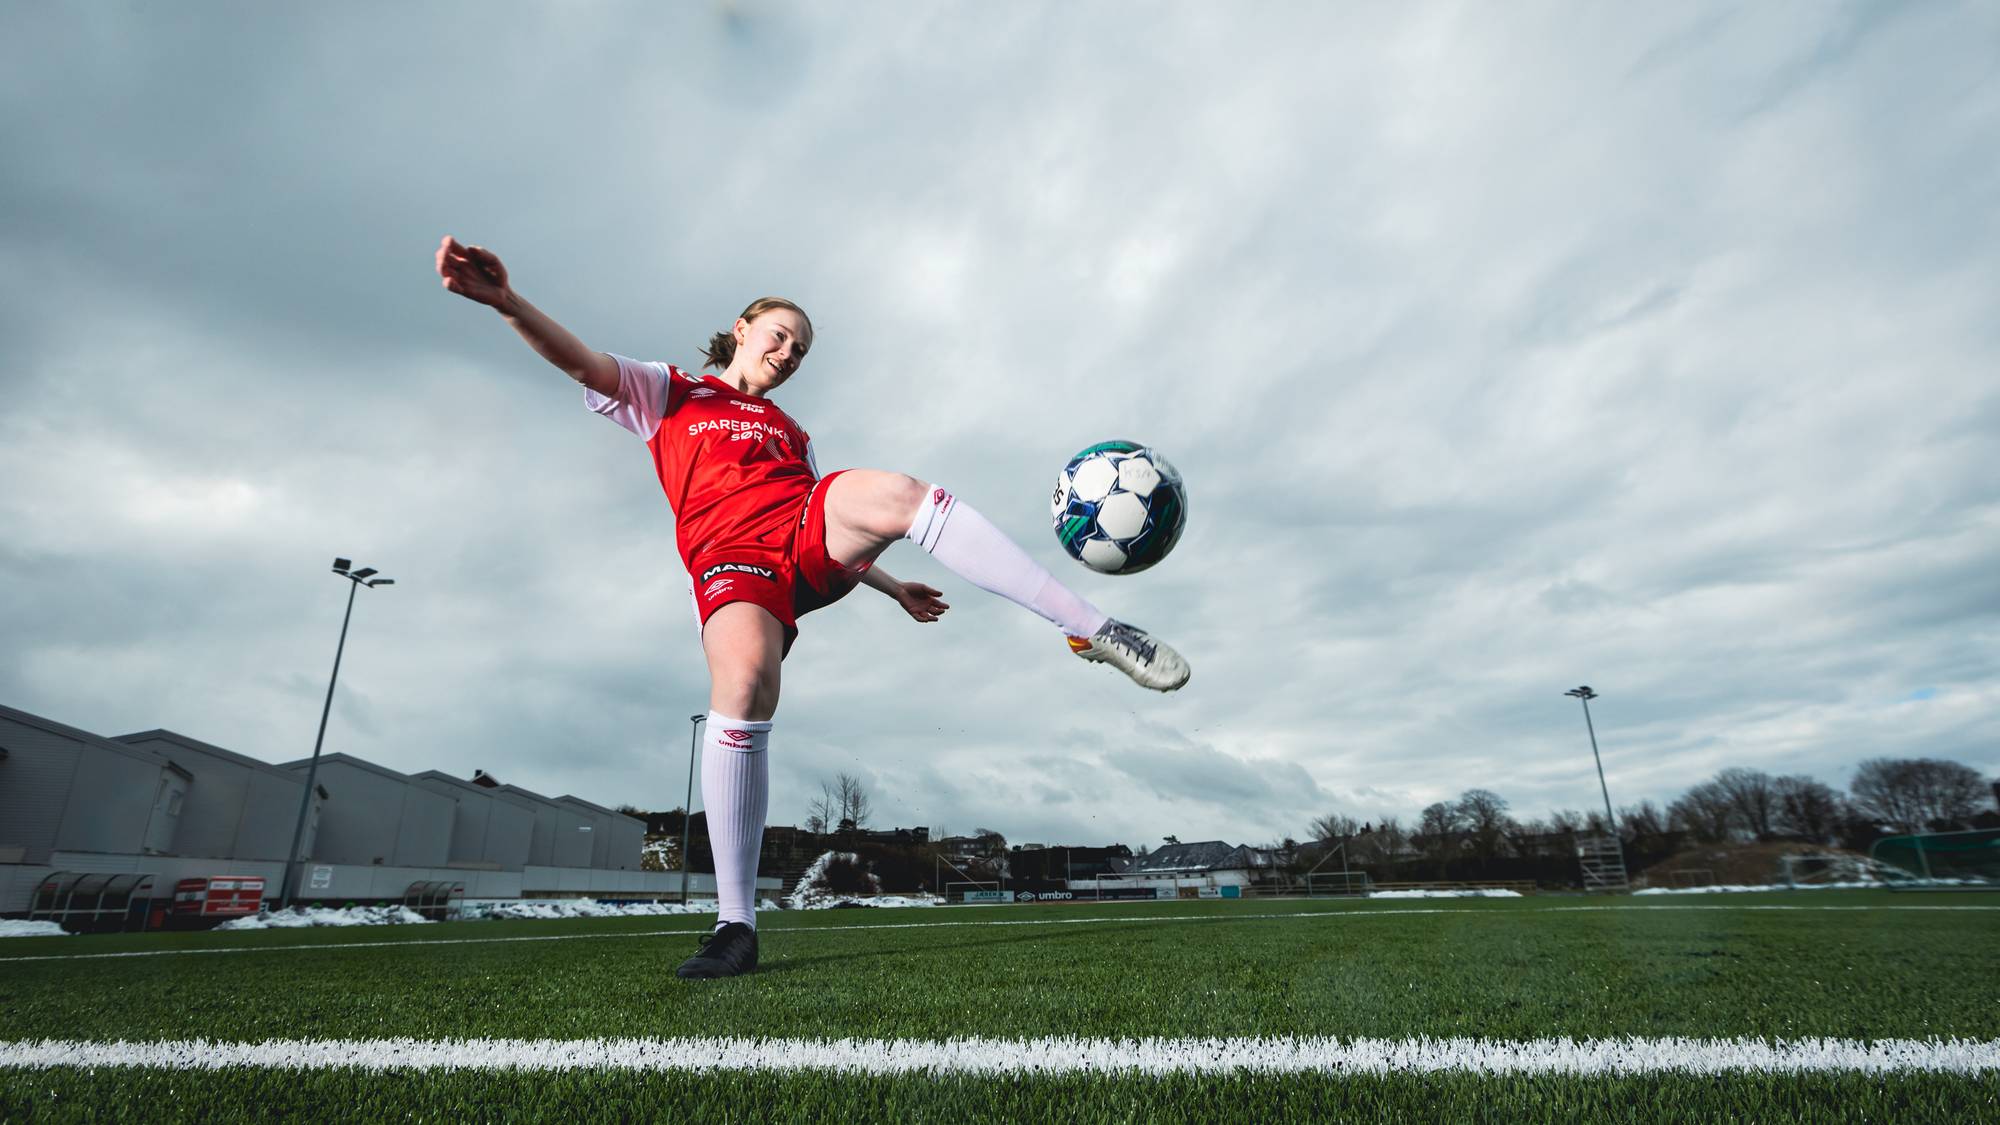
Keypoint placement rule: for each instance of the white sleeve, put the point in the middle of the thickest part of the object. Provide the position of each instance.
(642, 396)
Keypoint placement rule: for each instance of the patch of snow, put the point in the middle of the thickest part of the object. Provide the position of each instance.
(815, 890)
(521, 909)
(301, 917)
(15, 927)
(834, 901)
(1740, 888)
(1475, 892)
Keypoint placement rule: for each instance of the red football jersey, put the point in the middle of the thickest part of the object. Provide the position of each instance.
(734, 466)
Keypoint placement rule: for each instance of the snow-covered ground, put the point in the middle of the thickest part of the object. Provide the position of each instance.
(1739, 888)
(480, 910)
(814, 893)
(477, 910)
(512, 909)
(870, 900)
(14, 927)
(301, 917)
(1476, 892)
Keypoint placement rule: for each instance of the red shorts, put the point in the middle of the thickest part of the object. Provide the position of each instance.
(783, 569)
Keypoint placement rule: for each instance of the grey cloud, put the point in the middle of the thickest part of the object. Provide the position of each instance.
(1502, 353)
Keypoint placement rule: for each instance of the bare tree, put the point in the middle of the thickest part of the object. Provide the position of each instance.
(851, 800)
(1706, 812)
(1383, 842)
(1437, 831)
(1483, 814)
(822, 815)
(1643, 821)
(1918, 794)
(1808, 809)
(1567, 820)
(1538, 838)
(1749, 792)
(1333, 826)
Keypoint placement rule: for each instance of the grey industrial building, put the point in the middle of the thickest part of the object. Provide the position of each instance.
(490, 830)
(242, 809)
(171, 806)
(384, 818)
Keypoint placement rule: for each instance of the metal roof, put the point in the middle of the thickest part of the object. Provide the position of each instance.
(151, 757)
(200, 747)
(1207, 855)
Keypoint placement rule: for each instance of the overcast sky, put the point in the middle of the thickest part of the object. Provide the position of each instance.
(1504, 347)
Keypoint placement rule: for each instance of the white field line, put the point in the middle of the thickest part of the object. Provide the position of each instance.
(1394, 912)
(1050, 1056)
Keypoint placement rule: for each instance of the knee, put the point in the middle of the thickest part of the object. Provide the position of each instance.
(882, 504)
(900, 496)
(743, 693)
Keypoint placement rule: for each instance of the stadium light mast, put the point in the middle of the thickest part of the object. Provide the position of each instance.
(366, 576)
(1584, 695)
(687, 804)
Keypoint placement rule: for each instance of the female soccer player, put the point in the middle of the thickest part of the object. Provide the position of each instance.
(766, 540)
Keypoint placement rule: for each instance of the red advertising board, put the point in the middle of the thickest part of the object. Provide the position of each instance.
(218, 897)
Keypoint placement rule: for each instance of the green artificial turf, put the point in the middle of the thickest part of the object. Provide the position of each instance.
(358, 1096)
(1490, 969)
(1510, 969)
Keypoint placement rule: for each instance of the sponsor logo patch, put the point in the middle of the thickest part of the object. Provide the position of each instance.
(738, 568)
(752, 407)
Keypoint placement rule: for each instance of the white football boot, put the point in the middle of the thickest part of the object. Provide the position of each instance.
(1133, 651)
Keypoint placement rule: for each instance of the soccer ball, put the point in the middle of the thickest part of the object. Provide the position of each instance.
(1119, 507)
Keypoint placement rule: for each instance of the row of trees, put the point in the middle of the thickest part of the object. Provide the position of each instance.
(1888, 796)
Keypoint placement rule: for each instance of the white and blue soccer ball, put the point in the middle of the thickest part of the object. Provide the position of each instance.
(1119, 507)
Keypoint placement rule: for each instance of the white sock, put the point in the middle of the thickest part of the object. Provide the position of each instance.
(736, 789)
(970, 546)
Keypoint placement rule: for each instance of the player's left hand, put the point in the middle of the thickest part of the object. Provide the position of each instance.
(921, 602)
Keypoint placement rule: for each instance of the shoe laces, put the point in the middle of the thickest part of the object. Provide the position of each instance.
(718, 941)
(1121, 635)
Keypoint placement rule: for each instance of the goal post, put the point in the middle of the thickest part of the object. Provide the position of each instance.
(1939, 861)
(958, 891)
(1332, 884)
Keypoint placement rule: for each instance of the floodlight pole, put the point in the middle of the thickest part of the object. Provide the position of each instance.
(687, 804)
(358, 578)
(1584, 695)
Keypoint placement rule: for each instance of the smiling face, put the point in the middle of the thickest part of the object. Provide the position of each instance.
(768, 349)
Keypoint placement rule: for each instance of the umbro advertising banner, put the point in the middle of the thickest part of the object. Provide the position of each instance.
(1115, 894)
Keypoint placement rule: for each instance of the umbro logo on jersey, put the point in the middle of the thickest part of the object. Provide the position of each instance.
(701, 392)
(717, 588)
(738, 568)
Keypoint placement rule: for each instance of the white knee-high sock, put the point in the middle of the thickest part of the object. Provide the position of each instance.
(736, 788)
(971, 547)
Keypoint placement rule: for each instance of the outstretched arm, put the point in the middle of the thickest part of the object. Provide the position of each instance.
(921, 602)
(475, 273)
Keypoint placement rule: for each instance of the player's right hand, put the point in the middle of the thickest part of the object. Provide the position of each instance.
(472, 272)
